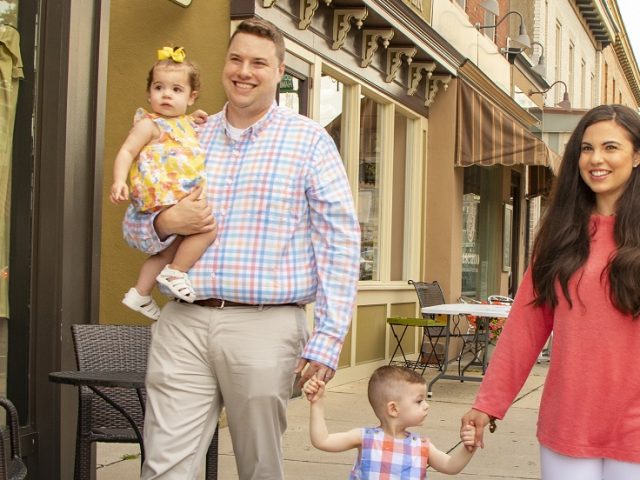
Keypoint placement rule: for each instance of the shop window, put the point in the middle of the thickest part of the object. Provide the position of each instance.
(331, 102)
(293, 93)
(481, 231)
(369, 188)
(398, 218)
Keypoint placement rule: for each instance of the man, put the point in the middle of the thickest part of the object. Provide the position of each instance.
(287, 234)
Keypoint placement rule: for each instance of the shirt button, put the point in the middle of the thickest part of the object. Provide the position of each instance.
(223, 212)
(229, 181)
(217, 243)
(213, 275)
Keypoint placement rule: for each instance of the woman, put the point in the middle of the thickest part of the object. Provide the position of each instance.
(584, 285)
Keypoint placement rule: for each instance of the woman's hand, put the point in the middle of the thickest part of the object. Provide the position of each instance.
(477, 419)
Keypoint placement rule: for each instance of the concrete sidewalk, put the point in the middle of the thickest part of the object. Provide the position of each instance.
(510, 453)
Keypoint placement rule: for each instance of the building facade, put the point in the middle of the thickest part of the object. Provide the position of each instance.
(448, 152)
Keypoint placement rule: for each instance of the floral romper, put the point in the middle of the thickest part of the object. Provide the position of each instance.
(383, 457)
(169, 168)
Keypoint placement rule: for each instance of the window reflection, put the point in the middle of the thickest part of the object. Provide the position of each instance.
(369, 189)
(331, 101)
(289, 92)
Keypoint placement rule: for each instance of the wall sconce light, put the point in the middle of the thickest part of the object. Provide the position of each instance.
(522, 41)
(540, 68)
(491, 6)
(565, 103)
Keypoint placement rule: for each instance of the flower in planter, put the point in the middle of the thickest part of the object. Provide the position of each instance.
(495, 326)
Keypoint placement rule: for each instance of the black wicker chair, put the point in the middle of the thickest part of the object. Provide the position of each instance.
(11, 465)
(114, 347)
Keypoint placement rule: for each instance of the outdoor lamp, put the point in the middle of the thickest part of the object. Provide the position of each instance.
(540, 68)
(565, 103)
(491, 6)
(522, 41)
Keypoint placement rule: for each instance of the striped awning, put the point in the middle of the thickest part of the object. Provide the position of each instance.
(487, 135)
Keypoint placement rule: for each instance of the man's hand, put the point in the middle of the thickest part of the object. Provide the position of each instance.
(477, 419)
(200, 117)
(190, 215)
(321, 371)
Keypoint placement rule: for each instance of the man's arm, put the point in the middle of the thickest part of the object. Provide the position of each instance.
(152, 233)
(335, 235)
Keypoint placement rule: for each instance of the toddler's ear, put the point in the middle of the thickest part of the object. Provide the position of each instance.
(393, 409)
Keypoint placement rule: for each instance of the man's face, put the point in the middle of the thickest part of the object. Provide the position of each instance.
(250, 78)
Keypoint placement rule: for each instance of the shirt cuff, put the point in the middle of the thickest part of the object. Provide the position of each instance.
(324, 349)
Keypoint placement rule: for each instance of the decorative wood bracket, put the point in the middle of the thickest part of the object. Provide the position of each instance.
(307, 10)
(394, 60)
(370, 43)
(342, 23)
(433, 86)
(415, 74)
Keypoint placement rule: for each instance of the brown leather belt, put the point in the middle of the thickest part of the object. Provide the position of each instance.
(219, 303)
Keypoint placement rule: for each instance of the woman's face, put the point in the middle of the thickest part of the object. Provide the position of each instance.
(607, 159)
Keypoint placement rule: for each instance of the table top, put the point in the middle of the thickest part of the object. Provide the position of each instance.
(478, 309)
(95, 378)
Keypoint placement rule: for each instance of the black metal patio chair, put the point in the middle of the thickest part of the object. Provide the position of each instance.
(119, 348)
(11, 465)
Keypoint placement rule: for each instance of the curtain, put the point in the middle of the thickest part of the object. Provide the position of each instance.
(10, 74)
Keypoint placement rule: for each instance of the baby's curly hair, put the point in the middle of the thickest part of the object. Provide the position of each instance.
(192, 70)
(386, 384)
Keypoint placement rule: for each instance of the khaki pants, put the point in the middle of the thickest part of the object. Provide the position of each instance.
(202, 358)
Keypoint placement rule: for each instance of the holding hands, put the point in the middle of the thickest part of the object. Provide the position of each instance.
(478, 421)
(314, 389)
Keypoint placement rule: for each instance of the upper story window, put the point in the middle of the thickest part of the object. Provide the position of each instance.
(490, 19)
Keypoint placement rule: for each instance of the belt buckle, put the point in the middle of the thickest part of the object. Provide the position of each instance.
(221, 307)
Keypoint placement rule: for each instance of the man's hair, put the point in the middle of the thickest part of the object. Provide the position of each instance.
(386, 384)
(264, 29)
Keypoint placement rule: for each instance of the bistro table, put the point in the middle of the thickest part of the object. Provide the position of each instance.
(480, 341)
(95, 379)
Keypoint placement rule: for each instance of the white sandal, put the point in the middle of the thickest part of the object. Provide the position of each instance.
(178, 282)
(141, 303)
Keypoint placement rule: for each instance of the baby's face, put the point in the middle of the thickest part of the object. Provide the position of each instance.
(170, 92)
(413, 405)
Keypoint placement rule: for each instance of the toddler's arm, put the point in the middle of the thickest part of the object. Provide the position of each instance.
(454, 463)
(141, 134)
(320, 436)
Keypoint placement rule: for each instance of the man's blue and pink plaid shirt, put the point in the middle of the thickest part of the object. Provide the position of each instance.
(287, 228)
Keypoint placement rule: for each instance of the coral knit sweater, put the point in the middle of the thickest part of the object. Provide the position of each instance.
(590, 405)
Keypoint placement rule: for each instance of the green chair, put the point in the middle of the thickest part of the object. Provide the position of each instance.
(433, 329)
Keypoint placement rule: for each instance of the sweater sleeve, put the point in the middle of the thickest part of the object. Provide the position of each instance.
(525, 333)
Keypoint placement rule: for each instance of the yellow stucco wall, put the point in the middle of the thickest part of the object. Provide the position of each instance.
(137, 30)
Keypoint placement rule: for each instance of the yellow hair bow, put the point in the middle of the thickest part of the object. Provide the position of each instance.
(176, 54)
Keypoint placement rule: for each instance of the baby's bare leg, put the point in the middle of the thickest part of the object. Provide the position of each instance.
(191, 249)
(153, 265)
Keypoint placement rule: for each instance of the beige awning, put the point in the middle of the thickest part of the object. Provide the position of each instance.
(487, 135)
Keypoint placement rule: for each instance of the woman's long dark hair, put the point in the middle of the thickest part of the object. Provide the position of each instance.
(562, 244)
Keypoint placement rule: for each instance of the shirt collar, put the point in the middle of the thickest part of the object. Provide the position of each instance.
(254, 130)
